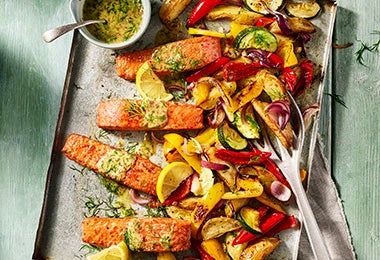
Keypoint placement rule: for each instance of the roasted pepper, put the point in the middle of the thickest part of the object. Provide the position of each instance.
(208, 69)
(266, 226)
(242, 157)
(265, 21)
(201, 9)
(304, 82)
(234, 71)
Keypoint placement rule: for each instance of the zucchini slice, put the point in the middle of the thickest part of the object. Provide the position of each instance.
(258, 7)
(306, 10)
(230, 138)
(245, 122)
(256, 37)
(250, 219)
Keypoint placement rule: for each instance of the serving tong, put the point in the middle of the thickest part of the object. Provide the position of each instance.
(288, 162)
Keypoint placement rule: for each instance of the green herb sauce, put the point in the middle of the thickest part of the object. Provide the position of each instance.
(123, 17)
(116, 163)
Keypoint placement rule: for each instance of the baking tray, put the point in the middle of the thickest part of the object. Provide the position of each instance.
(91, 77)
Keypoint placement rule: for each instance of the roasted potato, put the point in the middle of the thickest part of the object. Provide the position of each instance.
(216, 227)
(234, 13)
(171, 9)
(261, 249)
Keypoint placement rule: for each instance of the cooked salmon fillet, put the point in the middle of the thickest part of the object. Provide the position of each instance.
(119, 115)
(141, 234)
(179, 56)
(125, 168)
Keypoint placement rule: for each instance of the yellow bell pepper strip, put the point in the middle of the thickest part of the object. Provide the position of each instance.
(208, 69)
(177, 141)
(204, 207)
(203, 254)
(286, 52)
(198, 31)
(202, 9)
(236, 28)
(242, 157)
(214, 248)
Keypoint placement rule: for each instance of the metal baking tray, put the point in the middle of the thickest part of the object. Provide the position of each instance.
(91, 77)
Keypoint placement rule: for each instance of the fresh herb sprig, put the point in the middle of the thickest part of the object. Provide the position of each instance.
(337, 98)
(96, 207)
(365, 47)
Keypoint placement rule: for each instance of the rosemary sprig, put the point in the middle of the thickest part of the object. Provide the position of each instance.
(364, 48)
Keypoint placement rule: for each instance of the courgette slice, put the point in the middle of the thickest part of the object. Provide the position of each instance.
(306, 10)
(230, 138)
(245, 122)
(258, 7)
(256, 37)
(250, 219)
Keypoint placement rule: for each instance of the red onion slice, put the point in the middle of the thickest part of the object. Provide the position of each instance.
(308, 114)
(137, 197)
(279, 111)
(213, 165)
(280, 191)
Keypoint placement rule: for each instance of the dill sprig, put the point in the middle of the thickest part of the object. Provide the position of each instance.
(95, 207)
(134, 109)
(87, 249)
(337, 98)
(365, 47)
(82, 170)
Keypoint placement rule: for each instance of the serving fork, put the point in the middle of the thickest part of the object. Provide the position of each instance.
(288, 162)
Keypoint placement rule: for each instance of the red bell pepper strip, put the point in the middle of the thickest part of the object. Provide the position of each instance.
(266, 226)
(307, 67)
(202, 9)
(264, 21)
(203, 254)
(208, 69)
(233, 71)
(252, 157)
(271, 166)
(276, 60)
(290, 78)
(181, 192)
(287, 223)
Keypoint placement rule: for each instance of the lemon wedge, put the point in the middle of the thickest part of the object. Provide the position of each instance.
(149, 85)
(115, 252)
(171, 177)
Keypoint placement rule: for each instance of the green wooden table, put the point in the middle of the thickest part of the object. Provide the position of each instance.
(32, 75)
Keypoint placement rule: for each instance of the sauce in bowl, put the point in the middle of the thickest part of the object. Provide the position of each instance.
(124, 18)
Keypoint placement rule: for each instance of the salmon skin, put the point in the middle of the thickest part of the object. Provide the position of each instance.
(128, 114)
(116, 164)
(140, 234)
(174, 57)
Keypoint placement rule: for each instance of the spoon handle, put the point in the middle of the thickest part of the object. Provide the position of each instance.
(53, 34)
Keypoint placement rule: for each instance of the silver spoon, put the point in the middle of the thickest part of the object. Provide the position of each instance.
(53, 34)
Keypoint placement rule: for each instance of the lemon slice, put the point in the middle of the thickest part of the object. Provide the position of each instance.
(116, 252)
(149, 85)
(171, 177)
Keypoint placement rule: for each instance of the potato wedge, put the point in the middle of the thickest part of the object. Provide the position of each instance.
(234, 13)
(171, 9)
(178, 212)
(261, 249)
(216, 227)
(297, 24)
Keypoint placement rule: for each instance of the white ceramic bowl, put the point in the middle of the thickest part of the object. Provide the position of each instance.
(76, 7)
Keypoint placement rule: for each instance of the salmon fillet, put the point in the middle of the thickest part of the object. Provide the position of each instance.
(141, 234)
(119, 115)
(179, 56)
(127, 169)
